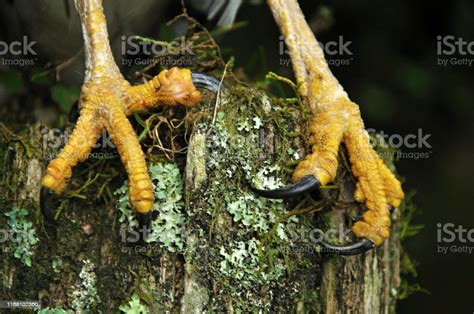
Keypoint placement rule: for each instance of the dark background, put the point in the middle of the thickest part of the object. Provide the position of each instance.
(393, 75)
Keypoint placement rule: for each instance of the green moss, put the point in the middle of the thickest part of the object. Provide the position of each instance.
(308, 302)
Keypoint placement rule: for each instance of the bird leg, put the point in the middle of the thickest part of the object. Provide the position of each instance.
(105, 102)
(336, 119)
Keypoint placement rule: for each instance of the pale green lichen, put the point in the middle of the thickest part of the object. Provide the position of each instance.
(250, 253)
(168, 226)
(134, 306)
(84, 296)
(127, 215)
(22, 233)
(257, 123)
(241, 262)
(56, 310)
(254, 213)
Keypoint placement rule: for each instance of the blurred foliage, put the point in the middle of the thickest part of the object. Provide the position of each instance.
(65, 96)
(11, 80)
(409, 211)
(408, 229)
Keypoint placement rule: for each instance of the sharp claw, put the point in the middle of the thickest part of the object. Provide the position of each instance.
(347, 250)
(144, 223)
(47, 199)
(306, 184)
(206, 81)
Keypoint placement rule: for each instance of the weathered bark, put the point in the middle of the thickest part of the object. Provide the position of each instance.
(202, 277)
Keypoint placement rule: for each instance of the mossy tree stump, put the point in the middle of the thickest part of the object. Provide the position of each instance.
(241, 253)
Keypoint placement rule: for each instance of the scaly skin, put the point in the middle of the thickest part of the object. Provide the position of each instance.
(336, 120)
(105, 102)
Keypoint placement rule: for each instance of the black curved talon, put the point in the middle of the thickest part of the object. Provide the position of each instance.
(305, 185)
(144, 225)
(357, 248)
(47, 203)
(206, 81)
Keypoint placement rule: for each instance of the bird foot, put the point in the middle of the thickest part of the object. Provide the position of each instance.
(377, 187)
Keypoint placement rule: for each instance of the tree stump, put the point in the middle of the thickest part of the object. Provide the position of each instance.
(240, 253)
